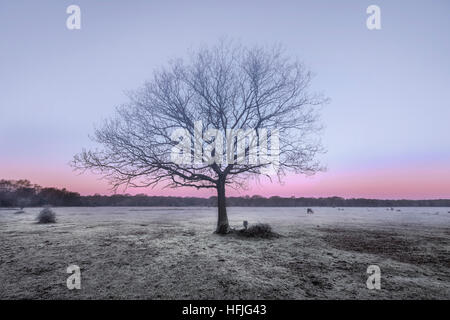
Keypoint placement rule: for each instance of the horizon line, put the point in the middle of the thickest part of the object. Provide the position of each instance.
(212, 196)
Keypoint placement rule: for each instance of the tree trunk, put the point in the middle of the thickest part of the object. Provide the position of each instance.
(222, 220)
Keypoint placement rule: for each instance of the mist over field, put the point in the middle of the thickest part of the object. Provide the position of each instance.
(172, 253)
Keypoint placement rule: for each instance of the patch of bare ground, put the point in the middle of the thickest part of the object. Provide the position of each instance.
(412, 248)
(414, 263)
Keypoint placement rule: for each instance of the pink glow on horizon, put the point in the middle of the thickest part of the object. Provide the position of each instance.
(408, 182)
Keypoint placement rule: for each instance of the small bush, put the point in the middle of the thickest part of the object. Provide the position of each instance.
(46, 215)
(259, 230)
(19, 211)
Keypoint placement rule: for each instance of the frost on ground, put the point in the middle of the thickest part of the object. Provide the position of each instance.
(172, 253)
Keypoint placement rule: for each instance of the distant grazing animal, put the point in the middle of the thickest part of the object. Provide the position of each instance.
(245, 224)
(309, 210)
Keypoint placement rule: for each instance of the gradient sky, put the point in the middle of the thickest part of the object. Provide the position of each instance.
(387, 126)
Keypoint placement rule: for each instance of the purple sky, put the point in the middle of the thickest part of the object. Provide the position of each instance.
(387, 126)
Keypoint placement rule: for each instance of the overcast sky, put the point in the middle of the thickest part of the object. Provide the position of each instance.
(387, 126)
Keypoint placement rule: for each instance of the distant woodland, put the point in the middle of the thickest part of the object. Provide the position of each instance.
(22, 193)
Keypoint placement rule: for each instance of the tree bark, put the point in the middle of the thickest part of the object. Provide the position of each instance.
(222, 220)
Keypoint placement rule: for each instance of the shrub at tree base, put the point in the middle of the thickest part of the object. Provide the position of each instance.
(259, 230)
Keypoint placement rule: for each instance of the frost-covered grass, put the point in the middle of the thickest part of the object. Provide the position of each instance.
(173, 253)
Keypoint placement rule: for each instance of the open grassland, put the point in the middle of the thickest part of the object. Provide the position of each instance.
(172, 253)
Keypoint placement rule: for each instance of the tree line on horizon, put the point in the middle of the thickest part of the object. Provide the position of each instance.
(22, 193)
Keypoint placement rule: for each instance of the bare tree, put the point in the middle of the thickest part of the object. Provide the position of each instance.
(227, 87)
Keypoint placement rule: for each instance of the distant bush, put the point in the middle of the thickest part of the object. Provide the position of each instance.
(259, 230)
(46, 215)
(19, 211)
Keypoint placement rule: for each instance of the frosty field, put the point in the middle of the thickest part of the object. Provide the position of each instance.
(172, 253)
